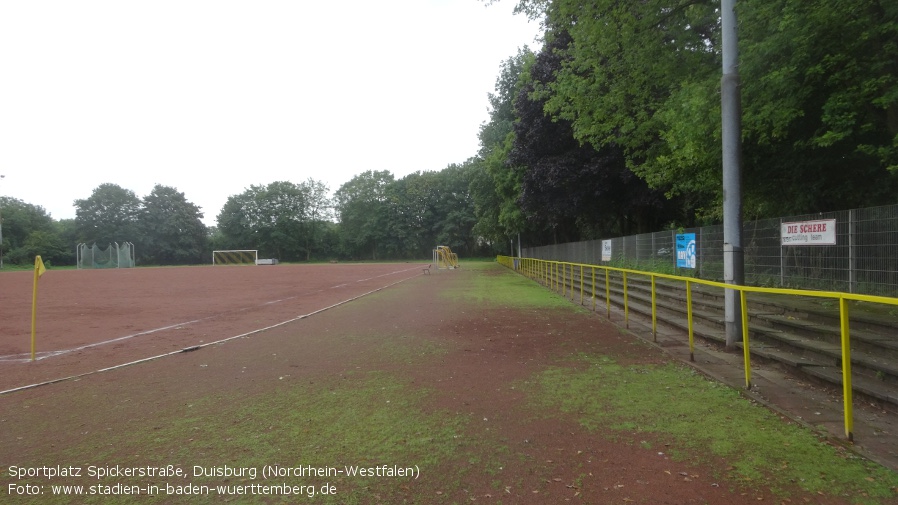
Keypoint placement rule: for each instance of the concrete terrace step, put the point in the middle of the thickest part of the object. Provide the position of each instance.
(874, 340)
(871, 388)
(801, 334)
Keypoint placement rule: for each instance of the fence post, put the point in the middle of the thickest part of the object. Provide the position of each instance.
(782, 257)
(852, 257)
(846, 368)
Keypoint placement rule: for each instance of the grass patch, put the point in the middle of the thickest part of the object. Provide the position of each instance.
(367, 420)
(496, 285)
(702, 416)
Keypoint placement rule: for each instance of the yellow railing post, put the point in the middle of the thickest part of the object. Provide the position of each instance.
(572, 282)
(689, 321)
(558, 267)
(607, 293)
(593, 288)
(745, 350)
(654, 312)
(846, 368)
(555, 277)
(626, 303)
(561, 277)
(581, 284)
(560, 282)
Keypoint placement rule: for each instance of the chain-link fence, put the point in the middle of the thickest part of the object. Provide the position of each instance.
(861, 256)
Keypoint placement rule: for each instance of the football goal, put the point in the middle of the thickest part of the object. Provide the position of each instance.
(235, 257)
(444, 258)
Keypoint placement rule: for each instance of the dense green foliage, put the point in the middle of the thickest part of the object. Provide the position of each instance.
(611, 128)
(282, 220)
(819, 85)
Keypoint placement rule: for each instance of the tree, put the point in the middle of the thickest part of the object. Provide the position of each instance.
(454, 208)
(28, 230)
(622, 63)
(362, 210)
(235, 228)
(570, 189)
(409, 216)
(45, 243)
(173, 229)
(502, 113)
(264, 218)
(821, 79)
(283, 219)
(67, 231)
(109, 215)
(819, 88)
(316, 213)
(495, 185)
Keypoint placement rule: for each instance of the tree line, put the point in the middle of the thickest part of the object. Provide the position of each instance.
(374, 216)
(611, 128)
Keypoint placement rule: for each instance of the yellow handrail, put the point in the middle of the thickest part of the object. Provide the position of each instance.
(554, 273)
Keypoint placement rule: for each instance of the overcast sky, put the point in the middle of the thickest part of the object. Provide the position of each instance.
(212, 96)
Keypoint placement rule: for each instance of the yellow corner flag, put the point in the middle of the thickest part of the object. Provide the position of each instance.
(39, 270)
(39, 265)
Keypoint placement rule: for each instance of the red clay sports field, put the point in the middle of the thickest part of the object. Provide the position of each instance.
(89, 320)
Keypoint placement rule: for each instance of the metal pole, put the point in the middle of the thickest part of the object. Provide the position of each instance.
(731, 112)
(852, 256)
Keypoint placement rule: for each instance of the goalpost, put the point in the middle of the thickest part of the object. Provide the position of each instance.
(444, 258)
(235, 257)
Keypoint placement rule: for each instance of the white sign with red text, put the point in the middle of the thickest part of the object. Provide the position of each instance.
(822, 232)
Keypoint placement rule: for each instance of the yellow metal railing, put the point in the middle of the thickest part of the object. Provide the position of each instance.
(556, 275)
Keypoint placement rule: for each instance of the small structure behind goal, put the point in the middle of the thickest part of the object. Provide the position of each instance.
(115, 255)
(444, 258)
(235, 257)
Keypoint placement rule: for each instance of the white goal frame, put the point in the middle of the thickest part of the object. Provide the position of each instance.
(235, 257)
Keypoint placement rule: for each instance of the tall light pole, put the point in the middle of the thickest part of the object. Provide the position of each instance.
(731, 112)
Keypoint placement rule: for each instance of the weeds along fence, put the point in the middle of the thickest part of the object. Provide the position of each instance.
(863, 257)
(593, 283)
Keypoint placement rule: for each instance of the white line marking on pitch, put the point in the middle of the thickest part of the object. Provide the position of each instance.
(200, 346)
(23, 357)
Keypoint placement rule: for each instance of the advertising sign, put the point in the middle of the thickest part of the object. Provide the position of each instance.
(686, 250)
(820, 232)
(606, 250)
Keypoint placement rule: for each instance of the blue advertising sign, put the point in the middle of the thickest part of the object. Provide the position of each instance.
(686, 250)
